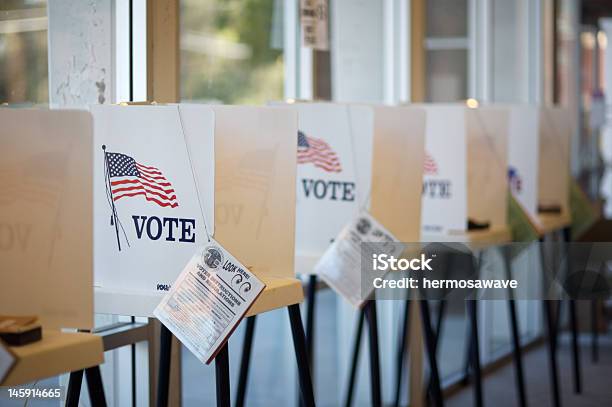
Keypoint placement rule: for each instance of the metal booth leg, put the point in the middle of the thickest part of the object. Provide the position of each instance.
(472, 306)
(301, 355)
(430, 343)
(95, 387)
(594, 331)
(222, 377)
(514, 328)
(370, 311)
(163, 378)
(74, 388)
(355, 359)
(401, 352)
(245, 360)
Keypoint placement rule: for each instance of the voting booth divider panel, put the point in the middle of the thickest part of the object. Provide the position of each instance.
(554, 171)
(487, 163)
(46, 216)
(465, 174)
(397, 170)
(255, 161)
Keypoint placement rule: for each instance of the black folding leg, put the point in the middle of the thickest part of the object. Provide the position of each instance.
(310, 329)
(514, 328)
(74, 388)
(551, 330)
(552, 351)
(163, 378)
(310, 316)
(594, 331)
(245, 360)
(430, 344)
(222, 377)
(94, 386)
(472, 306)
(370, 311)
(573, 323)
(403, 337)
(575, 347)
(301, 355)
(355, 359)
(437, 333)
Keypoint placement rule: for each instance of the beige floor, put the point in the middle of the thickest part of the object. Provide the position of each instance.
(499, 389)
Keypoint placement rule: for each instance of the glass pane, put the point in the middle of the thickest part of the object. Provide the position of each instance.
(510, 52)
(447, 18)
(446, 75)
(23, 51)
(231, 51)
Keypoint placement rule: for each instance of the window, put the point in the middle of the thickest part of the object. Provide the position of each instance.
(23, 52)
(231, 51)
(447, 50)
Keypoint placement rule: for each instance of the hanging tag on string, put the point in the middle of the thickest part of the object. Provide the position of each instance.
(340, 266)
(208, 300)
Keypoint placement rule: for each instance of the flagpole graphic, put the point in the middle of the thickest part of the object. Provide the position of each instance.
(114, 219)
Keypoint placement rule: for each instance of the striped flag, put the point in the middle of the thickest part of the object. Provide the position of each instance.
(430, 167)
(317, 152)
(129, 178)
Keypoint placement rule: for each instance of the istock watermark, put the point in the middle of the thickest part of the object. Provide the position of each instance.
(385, 262)
(531, 271)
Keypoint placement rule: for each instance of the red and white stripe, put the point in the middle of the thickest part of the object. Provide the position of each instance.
(151, 184)
(320, 154)
(429, 166)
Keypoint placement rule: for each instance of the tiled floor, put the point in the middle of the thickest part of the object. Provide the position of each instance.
(499, 390)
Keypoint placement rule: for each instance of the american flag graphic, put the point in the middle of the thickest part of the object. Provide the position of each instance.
(516, 183)
(317, 152)
(129, 178)
(429, 166)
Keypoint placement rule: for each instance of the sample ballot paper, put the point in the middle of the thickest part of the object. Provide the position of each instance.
(208, 300)
(340, 266)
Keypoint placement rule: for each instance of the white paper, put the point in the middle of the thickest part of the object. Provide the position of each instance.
(340, 266)
(208, 300)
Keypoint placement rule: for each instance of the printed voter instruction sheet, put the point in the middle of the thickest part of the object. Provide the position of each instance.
(208, 300)
(340, 266)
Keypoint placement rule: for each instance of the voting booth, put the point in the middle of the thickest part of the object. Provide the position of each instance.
(153, 183)
(166, 176)
(538, 163)
(352, 158)
(465, 181)
(46, 243)
(334, 155)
